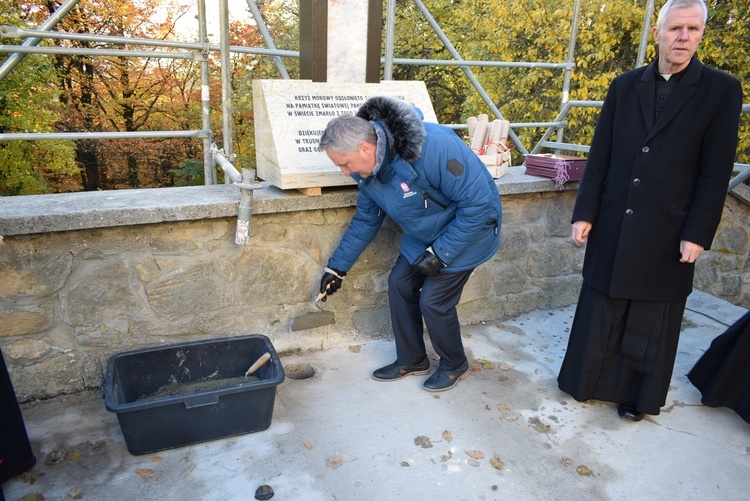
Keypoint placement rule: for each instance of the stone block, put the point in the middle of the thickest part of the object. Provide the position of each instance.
(290, 116)
(99, 293)
(14, 322)
(550, 258)
(28, 271)
(53, 376)
(25, 351)
(508, 279)
(514, 243)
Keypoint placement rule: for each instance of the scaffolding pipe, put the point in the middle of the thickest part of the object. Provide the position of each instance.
(16, 32)
(739, 178)
(261, 23)
(568, 73)
(80, 51)
(469, 74)
(246, 183)
(28, 136)
(487, 64)
(209, 174)
(390, 34)
(641, 58)
(50, 23)
(226, 81)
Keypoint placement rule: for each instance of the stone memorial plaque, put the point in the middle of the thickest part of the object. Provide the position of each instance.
(290, 116)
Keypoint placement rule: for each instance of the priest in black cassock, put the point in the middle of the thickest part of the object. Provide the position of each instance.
(649, 203)
(723, 372)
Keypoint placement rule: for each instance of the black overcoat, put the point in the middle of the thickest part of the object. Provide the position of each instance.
(649, 184)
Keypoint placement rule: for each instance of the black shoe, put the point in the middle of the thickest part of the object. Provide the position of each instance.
(629, 413)
(442, 379)
(394, 372)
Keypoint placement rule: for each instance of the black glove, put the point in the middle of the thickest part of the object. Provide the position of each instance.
(428, 263)
(331, 282)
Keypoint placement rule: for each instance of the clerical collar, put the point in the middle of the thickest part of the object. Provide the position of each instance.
(673, 76)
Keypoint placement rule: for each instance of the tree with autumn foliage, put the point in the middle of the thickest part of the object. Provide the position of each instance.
(81, 93)
(539, 31)
(28, 103)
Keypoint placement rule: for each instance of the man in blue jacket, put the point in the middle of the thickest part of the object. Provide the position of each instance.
(442, 196)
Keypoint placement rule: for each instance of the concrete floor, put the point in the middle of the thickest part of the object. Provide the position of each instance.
(505, 432)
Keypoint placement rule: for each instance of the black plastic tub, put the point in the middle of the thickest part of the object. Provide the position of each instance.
(153, 420)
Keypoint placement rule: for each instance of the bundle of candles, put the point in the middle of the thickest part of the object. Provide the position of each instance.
(487, 138)
(489, 142)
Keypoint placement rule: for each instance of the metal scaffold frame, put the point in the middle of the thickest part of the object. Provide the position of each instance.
(199, 51)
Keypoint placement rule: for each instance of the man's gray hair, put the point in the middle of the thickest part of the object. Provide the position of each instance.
(680, 3)
(343, 134)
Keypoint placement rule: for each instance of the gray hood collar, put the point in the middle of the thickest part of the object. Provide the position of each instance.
(403, 126)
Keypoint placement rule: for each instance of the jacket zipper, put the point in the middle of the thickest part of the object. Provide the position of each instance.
(428, 197)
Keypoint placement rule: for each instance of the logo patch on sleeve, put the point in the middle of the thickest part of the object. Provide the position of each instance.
(455, 167)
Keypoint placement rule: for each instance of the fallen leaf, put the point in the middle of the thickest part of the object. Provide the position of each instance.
(504, 380)
(584, 471)
(157, 459)
(542, 389)
(74, 493)
(29, 477)
(503, 407)
(56, 457)
(355, 348)
(539, 426)
(510, 416)
(486, 364)
(73, 456)
(504, 367)
(423, 442)
(447, 436)
(474, 368)
(446, 457)
(145, 472)
(187, 471)
(405, 464)
(334, 462)
(497, 463)
(308, 445)
(467, 336)
(475, 454)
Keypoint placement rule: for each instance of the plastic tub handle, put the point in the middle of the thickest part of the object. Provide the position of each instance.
(202, 400)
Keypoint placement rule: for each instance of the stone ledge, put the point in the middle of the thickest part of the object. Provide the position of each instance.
(23, 215)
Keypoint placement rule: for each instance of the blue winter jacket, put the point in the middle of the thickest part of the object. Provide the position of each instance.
(432, 185)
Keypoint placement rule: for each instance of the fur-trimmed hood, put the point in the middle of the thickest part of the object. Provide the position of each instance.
(402, 122)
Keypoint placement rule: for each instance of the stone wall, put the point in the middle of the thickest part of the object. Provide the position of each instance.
(71, 299)
(725, 271)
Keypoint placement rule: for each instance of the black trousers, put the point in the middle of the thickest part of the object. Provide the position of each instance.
(417, 300)
(15, 450)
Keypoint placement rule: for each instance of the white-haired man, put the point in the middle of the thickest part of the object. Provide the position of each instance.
(649, 203)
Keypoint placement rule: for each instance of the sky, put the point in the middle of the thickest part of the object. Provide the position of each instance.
(188, 24)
